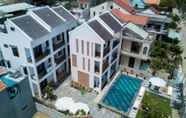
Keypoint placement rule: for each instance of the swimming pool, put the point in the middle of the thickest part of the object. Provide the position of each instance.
(121, 95)
(8, 82)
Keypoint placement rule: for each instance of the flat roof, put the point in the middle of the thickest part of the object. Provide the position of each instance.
(15, 7)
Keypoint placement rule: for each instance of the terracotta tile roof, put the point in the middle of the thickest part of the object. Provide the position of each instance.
(125, 5)
(152, 2)
(138, 20)
(3, 71)
(2, 86)
(83, 1)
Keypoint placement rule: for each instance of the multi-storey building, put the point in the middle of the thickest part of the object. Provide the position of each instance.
(16, 97)
(122, 5)
(95, 47)
(38, 44)
(156, 22)
(136, 45)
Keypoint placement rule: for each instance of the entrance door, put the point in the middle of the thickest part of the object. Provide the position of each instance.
(131, 62)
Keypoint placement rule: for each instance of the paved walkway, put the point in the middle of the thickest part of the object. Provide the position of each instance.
(65, 90)
(183, 44)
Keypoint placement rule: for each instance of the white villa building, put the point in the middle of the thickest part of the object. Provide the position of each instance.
(136, 45)
(37, 43)
(122, 5)
(94, 49)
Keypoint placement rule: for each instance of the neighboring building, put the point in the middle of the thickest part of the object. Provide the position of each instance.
(94, 48)
(16, 97)
(84, 4)
(38, 44)
(13, 10)
(122, 5)
(136, 45)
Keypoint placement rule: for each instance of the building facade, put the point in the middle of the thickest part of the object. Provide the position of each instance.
(16, 97)
(94, 49)
(37, 43)
(136, 46)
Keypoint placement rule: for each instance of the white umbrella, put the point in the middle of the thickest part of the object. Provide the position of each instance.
(156, 81)
(64, 103)
(82, 106)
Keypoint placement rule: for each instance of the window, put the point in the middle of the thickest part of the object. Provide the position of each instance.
(88, 49)
(5, 45)
(67, 35)
(25, 71)
(15, 51)
(8, 64)
(77, 46)
(145, 50)
(88, 64)
(63, 36)
(94, 13)
(74, 60)
(12, 28)
(83, 63)
(111, 7)
(58, 37)
(82, 46)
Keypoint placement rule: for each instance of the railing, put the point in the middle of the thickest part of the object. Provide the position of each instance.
(105, 66)
(59, 59)
(57, 45)
(106, 50)
(42, 55)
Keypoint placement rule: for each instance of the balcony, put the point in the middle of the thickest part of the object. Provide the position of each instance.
(115, 43)
(106, 50)
(58, 44)
(41, 55)
(105, 66)
(59, 59)
(114, 56)
(135, 55)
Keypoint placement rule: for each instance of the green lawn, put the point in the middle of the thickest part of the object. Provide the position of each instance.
(154, 106)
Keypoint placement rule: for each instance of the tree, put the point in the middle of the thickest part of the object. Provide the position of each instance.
(167, 56)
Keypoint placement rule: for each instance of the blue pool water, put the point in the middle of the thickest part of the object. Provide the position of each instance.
(138, 3)
(8, 82)
(122, 93)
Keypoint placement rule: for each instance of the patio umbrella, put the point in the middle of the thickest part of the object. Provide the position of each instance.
(156, 81)
(64, 103)
(82, 106)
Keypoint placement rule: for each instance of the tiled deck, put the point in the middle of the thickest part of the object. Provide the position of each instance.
(65, 90)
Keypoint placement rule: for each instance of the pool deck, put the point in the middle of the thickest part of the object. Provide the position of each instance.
(134, 109)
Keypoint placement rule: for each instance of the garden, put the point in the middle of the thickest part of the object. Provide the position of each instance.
(154, 106)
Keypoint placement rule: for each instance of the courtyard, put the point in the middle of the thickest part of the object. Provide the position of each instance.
(65, 90)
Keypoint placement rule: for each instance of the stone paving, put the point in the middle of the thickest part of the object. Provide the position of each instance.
(65, 90)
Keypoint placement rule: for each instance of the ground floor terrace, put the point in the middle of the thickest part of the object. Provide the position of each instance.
(66, 90)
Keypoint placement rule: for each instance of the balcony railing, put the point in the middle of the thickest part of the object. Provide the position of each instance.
(106, 50)
(115, 43)
(59, 59)
(40, 56)
(114, 57)
(57, 45)
(105, 66)
(139, 56)
(41, 74)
